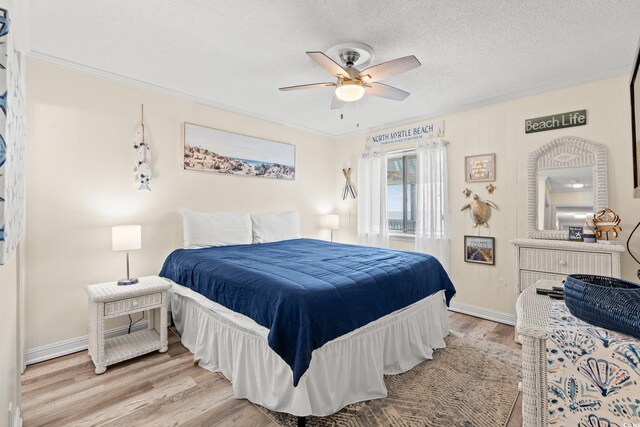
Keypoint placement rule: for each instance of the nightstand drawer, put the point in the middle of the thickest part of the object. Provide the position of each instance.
(115, 307)
(565, 262)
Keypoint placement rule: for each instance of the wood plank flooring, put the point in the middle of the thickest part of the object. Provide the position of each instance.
(166, 389)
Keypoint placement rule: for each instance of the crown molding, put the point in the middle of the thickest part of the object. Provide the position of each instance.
(34, 54)
(616, 72)
(40, 56)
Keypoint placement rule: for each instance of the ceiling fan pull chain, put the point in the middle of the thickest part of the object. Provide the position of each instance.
(357, 114)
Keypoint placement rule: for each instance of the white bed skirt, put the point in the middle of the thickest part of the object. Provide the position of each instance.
(346, 370)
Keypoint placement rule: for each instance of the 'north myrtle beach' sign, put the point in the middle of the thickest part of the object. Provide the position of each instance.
(556, 121)
(412, 133)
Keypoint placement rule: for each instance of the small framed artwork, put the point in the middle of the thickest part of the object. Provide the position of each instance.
(480, 168)
(479, 250)
(576, 234)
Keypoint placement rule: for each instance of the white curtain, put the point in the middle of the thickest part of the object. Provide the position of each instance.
(432, 200)
(373, 228)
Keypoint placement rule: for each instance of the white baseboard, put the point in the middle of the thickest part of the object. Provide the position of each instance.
(73, 345)
(17, 420)
(483, 313)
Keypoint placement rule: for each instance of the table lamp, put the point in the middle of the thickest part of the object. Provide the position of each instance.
(332, 222)
(126, 238)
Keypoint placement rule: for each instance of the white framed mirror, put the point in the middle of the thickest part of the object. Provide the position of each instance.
(567, 183)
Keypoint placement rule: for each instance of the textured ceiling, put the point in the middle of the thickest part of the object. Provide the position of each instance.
(237, 53)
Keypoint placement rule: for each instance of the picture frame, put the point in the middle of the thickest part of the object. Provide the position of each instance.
(479, 250)
(576, 234)
(480, 168)
(218, 151)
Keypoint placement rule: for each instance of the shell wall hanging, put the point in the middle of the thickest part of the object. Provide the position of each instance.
(142, 167)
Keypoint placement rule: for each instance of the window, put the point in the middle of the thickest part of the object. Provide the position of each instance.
(401, 192)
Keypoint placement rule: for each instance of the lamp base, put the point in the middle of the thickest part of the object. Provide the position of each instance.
(125, 282)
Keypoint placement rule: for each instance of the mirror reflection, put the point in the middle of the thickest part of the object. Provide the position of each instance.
(565, 197)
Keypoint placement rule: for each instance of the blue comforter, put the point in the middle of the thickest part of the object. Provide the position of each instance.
(308, 292)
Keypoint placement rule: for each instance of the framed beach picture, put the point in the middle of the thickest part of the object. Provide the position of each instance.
(218, 151)
(576, 234)
(479, 250)
(480, 168)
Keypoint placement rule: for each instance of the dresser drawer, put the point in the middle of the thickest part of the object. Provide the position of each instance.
(122, 306)
(565, 262)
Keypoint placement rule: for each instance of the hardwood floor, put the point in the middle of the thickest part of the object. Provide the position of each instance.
(166, 389)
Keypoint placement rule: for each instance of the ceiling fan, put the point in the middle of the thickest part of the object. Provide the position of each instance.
(352, 84)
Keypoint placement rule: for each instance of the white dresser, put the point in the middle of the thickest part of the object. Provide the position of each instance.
(539, 259)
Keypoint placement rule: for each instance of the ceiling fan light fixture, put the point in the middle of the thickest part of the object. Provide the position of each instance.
(349, 91)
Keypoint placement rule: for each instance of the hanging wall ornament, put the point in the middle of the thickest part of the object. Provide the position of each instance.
(480, 210)
(142, 167)
(349, 189)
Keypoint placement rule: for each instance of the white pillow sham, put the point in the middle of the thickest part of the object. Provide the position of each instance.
(274, 227)
(215, 229)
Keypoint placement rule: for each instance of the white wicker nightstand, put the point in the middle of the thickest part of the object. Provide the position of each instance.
(107, 300)
(531, 323)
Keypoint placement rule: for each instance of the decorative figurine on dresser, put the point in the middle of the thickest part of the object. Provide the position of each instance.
(566, 184)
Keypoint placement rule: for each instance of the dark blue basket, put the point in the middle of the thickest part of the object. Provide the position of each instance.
(604, 301)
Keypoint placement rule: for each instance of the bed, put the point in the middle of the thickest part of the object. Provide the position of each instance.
(306, 326)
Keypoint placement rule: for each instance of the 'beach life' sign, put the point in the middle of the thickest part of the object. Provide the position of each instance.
(412, 133)
(556, 121)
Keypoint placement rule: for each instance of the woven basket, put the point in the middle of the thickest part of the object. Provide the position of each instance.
(604, 301)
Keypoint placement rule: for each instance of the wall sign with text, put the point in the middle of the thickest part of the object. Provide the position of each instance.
(419, 132)
(556, 121)
(480, 168)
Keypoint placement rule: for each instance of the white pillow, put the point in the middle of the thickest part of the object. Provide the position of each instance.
(274, 227)
(215, 229)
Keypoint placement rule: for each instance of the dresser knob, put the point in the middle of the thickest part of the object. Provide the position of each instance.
(562, 262)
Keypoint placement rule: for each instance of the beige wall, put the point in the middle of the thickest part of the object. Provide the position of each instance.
(9, 336)
(80, 183)
(499, 128)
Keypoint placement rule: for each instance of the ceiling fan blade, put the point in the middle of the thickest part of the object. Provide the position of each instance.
(309, 86)
(328, 64)
(389, 69)
(385, 91)
(337, 103)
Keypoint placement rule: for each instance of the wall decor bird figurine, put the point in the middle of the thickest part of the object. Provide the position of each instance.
(480, 210)
(466, 192)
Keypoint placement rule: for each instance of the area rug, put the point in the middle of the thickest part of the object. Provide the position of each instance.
(469, 383)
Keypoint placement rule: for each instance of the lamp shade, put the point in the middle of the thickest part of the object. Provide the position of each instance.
(349, 91)
(331, 222)
(126, 237)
